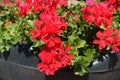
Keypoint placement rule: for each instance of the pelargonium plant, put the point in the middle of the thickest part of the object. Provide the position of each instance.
(60, 33)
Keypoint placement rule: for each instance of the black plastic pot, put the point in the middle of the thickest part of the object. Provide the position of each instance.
(21, 64)
(106, 67)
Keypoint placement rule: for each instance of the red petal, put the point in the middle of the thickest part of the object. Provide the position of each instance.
(96, 41)
(57, 40)
(99, 34)
(67, 48)
(41, 67)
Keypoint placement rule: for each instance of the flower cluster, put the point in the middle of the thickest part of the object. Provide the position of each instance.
(114, 3)
(109, 37)
(48, 27)
(100, 13)
(53, 59)
(37, 5)
(61, 34)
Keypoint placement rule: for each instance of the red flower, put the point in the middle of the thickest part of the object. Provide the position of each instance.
(38, 5)
(48, 27)
(35, 34)
(100, 13)
(53, 55)
(24, 9)
(114, 3)
(109, 37)
(49, 69)
(90, 2)
(48, 4)
(29, 1)
(63, 2)
(54, 3)
(101, 42)
(53, 59)
(115, 47)
(6, 1)
(53, 19)
(52, 41)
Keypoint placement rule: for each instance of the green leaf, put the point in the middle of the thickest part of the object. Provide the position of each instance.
(90, 54)
(1, 23)
(30, 23)
(82, 3)
(81, 43)
(7, 47)
(84, 61)
(74, 51)
(78, 68)
(81, 72)
(37, 43)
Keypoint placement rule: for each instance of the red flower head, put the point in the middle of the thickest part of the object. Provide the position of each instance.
(24, 9)
(109, 37)
(6, 1)
(100, 13)
(114, 3)
(53, 59)
(38, 5)
(48, 27)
